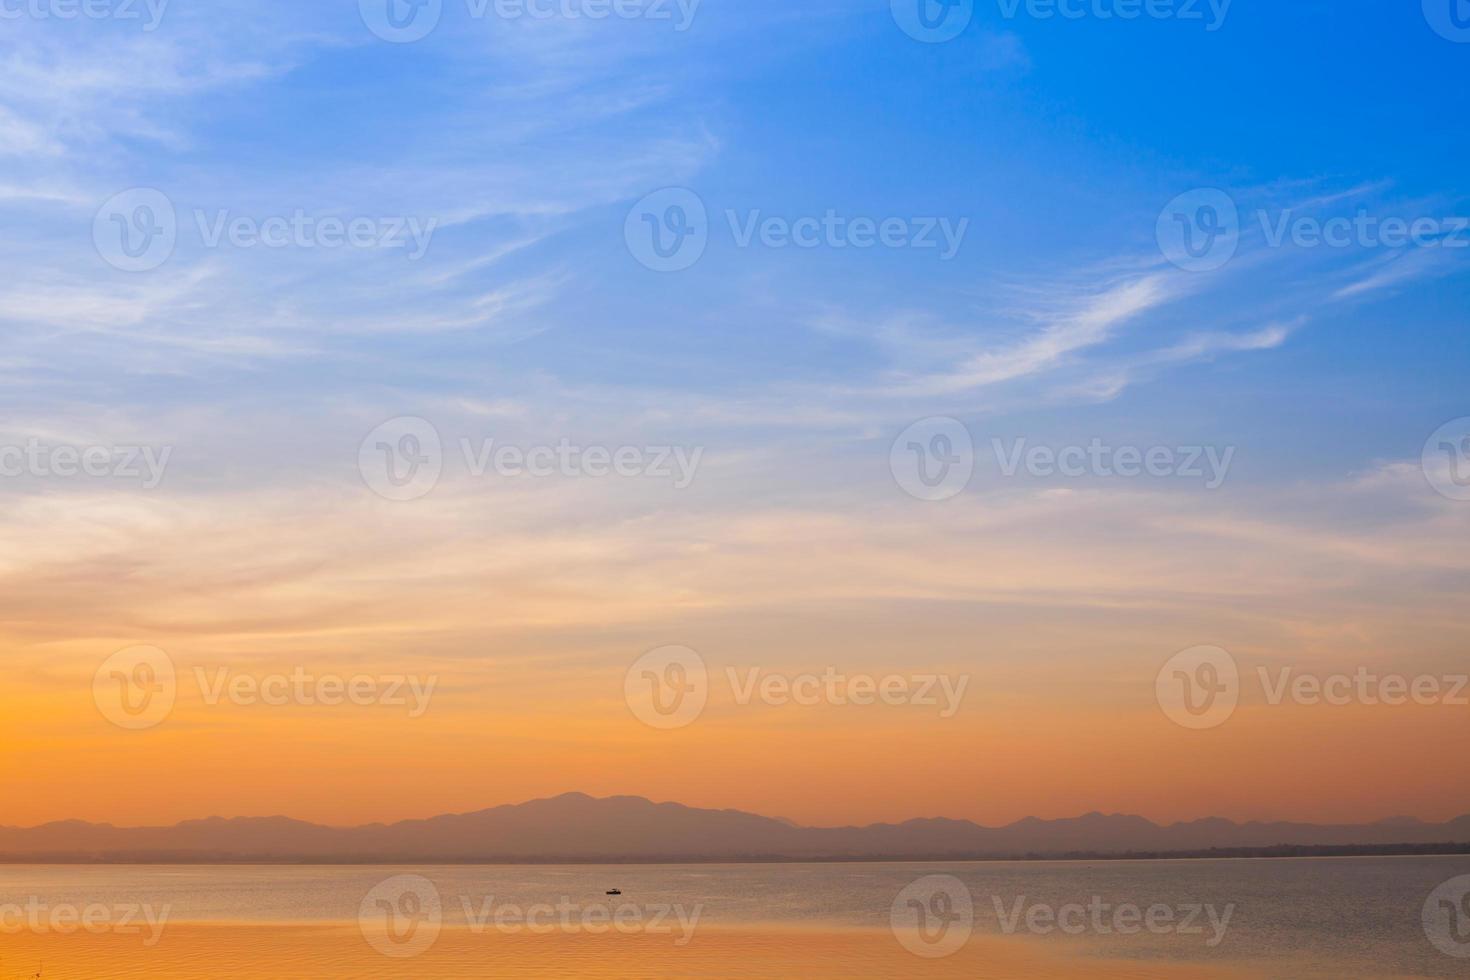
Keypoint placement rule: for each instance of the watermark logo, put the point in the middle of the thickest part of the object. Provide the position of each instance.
(944, 692)
(933, 21)
(1211, 13)
(139, 687)
(401, 21)
(1103, 918)
(144, 464)
(668, 230)
(1449, 18)
(149, 12)
(933, 459)
(680, 13)
(484, 913)
(933, 917)
(679, 464)
(136, 230)
(1199, 688)
(1446, 917)
(41, 918)
(667, 688)
(306, 689)
(1446, 459)
(402, 459)
(1208, 464)
(402, 916)
(836, 231)
(670, 688)
(136, 688)
(406, 21)
(1363, 230)
(300, 229)
(1199, 231)
(1364, 687)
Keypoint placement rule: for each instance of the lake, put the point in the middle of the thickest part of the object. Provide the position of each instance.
(1278, 918)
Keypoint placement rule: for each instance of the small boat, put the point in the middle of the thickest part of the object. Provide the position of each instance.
(615, 891)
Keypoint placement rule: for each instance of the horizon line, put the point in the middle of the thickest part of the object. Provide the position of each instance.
(1390, 819)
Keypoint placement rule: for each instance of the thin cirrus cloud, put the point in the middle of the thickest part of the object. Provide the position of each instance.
(1082, 323)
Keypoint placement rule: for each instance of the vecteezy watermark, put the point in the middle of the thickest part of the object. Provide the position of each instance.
(933, 917)
(401, 21)
(406, 21)
(933, 21)
(836, 231)
(1103, 918)
(1209, 464)
(1449, 18)
(39, 917)
(136, 688)
(403, 916)
(1200, 231)
(149, 13)
(680, 464)
(307, 689)
(483, 913)
(403, 459)
(1363, 686)
(679, 13)
(669, 688)
(1446, 459)
(941, 691)
(1363, 230)
(933, 459)
(1210, 13)
(1200, 687)
(669, 230)
(138, 231)
(302, 230)
(144, 464)
(1446, 917)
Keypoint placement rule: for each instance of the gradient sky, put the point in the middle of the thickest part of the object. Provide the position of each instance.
(529, 320)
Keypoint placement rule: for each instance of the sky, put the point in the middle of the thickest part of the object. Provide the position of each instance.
(822, 278)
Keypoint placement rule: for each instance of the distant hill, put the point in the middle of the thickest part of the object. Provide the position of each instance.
(576, 827)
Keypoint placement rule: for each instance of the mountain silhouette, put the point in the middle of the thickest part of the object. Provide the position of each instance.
(577, 827)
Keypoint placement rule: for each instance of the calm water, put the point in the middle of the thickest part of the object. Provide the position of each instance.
(1294, 918)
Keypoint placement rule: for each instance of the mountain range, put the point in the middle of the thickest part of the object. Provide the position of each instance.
(579, 828)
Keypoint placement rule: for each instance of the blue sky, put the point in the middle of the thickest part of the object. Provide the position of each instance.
(1059, 142)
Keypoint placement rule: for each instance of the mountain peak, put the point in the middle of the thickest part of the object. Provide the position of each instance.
(577, 827)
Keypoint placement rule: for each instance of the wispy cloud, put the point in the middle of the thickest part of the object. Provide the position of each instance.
(1396, 269)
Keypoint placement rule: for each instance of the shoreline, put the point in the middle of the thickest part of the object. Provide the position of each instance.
(1458, 850)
